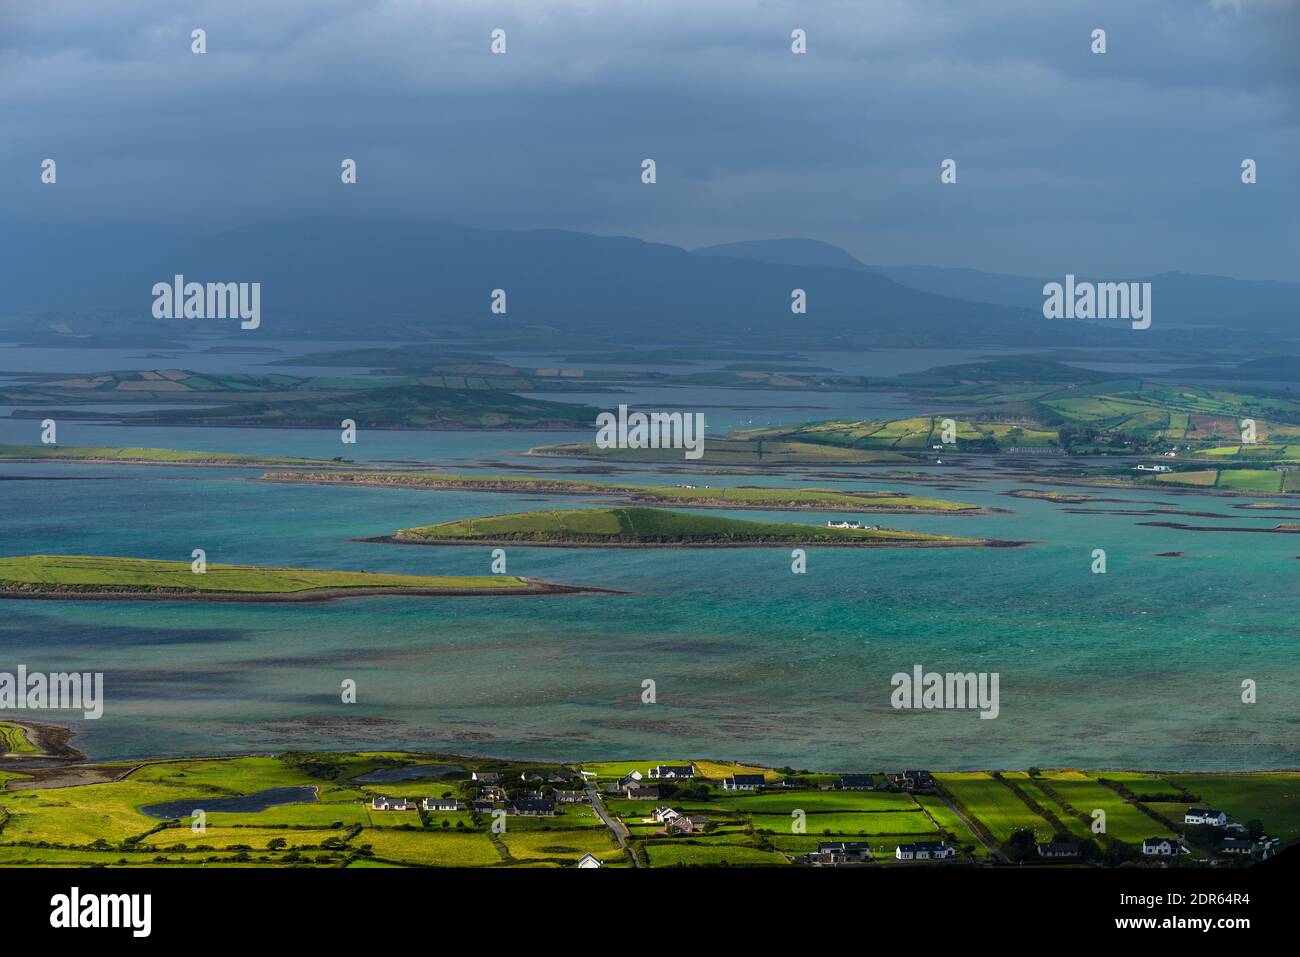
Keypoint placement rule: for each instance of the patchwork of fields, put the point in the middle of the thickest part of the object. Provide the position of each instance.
(46, 821)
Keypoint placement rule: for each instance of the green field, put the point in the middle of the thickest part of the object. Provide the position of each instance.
(685, 855)
(1124, 822)
(1031, 403)
(101, 824)
(37, 574)
(1272, 797)
(647, 526)
(994, 804)
(13, 740)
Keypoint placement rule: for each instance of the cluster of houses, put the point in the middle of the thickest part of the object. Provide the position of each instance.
(850, 523)
(1238, 846)
(679, 823)
(381, 803)
(633, 785)
(491, 793)
(834, 853)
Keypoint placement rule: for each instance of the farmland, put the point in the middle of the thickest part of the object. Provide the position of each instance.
(330, 820)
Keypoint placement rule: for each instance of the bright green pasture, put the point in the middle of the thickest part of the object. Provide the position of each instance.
(1272, 797)
(994, 804)
(430, 847)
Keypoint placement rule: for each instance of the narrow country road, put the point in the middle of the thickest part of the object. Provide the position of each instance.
(619, 829)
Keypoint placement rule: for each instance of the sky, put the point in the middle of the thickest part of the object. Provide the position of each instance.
(1122, 163)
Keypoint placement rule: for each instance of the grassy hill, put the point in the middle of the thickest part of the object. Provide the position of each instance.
(1084, 416)
(648, 526)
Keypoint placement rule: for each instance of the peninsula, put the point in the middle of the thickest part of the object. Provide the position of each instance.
(83, 577)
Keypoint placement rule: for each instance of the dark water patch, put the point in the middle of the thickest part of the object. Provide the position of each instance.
(243, 804)
(55, 631)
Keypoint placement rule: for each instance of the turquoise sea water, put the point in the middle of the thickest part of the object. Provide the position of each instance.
(1139, 667)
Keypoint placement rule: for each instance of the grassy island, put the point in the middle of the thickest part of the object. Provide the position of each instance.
(689, 496)
(142, 456)
(649, 527)
(94, 577)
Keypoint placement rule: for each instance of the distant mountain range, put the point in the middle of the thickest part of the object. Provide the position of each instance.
(368, 279)
(1181, 298)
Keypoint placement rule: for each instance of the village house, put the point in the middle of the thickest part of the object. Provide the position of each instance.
(664, 814)
(843, 523)
(637, 792)
(1058, 850)
(743, 782)
(667, 771)
(441, 804)
(688, 823)
(381, 803)
(628, 780)
(1162, 847)
(485, 777)
(925, 851)
(531, 807)
(543, 777)
(911, 780)
(840, 852)
(1205, 817)
(571, 797)
(590, 860)
(855, 782)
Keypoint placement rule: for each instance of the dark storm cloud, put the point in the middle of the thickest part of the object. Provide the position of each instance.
(1124, 163)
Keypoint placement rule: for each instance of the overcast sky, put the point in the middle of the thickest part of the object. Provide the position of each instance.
(1119, 164)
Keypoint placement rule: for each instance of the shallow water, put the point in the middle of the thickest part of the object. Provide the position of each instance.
(1141, 666)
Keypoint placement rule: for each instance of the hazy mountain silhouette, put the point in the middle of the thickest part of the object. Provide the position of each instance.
(371, 279)
(1181, 298)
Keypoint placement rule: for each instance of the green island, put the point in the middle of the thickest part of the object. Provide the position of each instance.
(649, 528)
(775, 499)
(97, 577)
(1011, 404)
(423, 809)
(142, 456)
